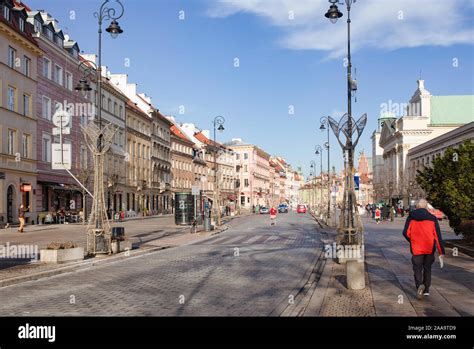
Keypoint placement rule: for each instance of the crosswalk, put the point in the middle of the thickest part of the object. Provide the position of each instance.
(251, 239)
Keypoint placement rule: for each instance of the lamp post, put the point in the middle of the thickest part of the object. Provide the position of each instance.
(324, 121)
(319, 151)
(313, 175)
(350, 230)
(218, 124)
(99, 217)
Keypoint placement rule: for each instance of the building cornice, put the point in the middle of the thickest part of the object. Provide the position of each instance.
(20, 39)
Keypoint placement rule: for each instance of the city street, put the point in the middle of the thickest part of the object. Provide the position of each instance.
(251, 269)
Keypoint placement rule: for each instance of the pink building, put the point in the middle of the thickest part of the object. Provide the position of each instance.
(57, 76)
(253, 174)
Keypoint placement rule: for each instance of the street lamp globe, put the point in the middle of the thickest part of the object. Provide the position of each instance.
(114, 29)
(220, 128)
(333, 13)
(83, 86)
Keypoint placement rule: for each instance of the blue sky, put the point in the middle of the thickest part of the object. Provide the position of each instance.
(289, 55)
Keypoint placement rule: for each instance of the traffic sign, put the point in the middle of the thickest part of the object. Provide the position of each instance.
(195, 190)
(61, 118)
(61, 162)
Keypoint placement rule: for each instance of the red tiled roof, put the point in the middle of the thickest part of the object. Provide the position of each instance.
(177, 132)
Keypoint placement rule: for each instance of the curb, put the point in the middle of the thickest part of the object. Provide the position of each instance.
(86, 264)
(76, 266)
(466, 250)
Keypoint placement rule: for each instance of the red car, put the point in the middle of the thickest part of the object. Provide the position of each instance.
(301, 209)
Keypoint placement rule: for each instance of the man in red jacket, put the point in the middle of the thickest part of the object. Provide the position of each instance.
(423, 233)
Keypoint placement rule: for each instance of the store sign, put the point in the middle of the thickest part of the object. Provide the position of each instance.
(61, 162)
(25, 187)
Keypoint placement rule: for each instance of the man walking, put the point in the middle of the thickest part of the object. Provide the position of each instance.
(424, 235)
(21, 217)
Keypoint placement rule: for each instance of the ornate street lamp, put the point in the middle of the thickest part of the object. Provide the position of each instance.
(99, 138)
(218, 124)
(350, 229)
(333, 13)
(324, 121)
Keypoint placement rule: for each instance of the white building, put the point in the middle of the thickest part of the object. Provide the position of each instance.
(427, 117)
(423, 155)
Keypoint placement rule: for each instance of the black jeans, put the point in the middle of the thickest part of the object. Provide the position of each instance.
(422, 269)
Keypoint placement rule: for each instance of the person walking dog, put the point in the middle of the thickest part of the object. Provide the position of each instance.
(424, 235)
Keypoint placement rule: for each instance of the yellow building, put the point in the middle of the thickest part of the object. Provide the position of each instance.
(18, 84)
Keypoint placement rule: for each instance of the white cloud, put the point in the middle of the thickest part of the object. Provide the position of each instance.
(375, 23)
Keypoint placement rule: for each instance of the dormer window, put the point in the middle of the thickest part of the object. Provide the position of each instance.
(75, 53)
(48, 33)
(6, 12)
(21, 23)
(58, 40)
(37, 26)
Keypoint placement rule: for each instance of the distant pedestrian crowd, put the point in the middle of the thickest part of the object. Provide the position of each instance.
(384, 212)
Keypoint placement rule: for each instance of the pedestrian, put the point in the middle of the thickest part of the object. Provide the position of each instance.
(377, 215)
(424, 235)
(273, 214)
(392, 213)
(21, 217)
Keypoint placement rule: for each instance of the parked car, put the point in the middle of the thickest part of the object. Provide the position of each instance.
(301, 209)
(283, 208)
(264, 210)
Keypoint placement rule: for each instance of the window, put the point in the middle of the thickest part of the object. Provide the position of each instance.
(6, 12)
(246, 156)
(115, 108)
(58, 74)
(26, 105)
(37, 26)
(84, 120)
(68, 81)
(11, 141)
(83, 157)
(11, 98)
(121, 111)
(245, 168)
(58, 41)
(25, 145)
(46, 68)
(49, 33)
(46, 149)
(27, 66)
(46, 108)
(11, 57)
(57, 106)
(246, 182)
(237, 156)
(21, 23)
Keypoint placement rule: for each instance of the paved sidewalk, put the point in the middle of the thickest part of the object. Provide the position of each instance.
(390, 287)
(146, 234)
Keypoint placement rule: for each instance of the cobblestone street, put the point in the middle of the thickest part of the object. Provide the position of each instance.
(251, 269)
